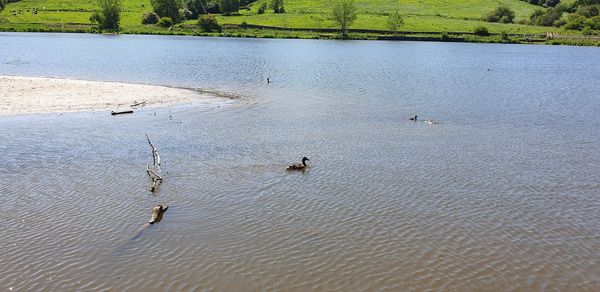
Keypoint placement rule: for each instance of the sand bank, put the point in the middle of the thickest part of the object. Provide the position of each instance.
(28, 95)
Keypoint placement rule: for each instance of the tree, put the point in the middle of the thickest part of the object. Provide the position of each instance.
(166, 8)
(586, 2)
(109, 16)
(230, 6)
(196, 7)
(262, 8)
(344, 13)
(394, 22)
(551, 3)
(549, 17)
(501, 14)
(277, 6)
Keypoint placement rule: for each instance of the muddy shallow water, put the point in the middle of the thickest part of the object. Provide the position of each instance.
(503, 193)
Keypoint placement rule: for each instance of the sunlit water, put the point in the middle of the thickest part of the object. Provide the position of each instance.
(503, 193)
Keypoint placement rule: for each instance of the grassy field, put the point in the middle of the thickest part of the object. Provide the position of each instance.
(431, 16)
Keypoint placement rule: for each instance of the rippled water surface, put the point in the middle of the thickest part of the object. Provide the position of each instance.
(503, 193)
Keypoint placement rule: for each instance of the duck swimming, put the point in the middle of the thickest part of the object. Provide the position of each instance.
(414, 119)
(299, 166)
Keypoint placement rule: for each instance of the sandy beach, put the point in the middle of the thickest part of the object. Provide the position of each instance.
(29, 95)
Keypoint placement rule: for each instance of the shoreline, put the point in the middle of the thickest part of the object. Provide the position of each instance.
(234, 31)
(40, 95)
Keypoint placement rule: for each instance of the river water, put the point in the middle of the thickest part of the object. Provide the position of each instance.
(502, 193)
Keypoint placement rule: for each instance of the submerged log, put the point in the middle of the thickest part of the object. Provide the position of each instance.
(157, 213)
(121, 112)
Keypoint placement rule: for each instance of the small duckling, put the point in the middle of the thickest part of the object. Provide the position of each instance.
(299, 166)
(157, 213)
(414, 119)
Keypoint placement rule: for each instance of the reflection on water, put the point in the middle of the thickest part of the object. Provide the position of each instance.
(502, 192)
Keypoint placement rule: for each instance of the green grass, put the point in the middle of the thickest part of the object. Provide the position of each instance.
(427, 16)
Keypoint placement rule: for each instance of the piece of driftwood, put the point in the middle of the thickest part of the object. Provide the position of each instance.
(138, 104)
(157, 213)
(121, 112)
(154, 169)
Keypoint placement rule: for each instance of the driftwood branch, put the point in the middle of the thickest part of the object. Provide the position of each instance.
(154, 170)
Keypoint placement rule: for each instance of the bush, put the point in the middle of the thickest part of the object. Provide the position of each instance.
(196, 7)
(277, 6)
(209, 23)
(501, 14)
(165, 22)
(213, 6)
(109, 16)
(150, 18)
(588, 10)
(593, 23)
(575, 23)
(185, 13)
(230, 6)
(262, 8)
(166, 8)
(244, 25)
(481, 31)
(548, 18)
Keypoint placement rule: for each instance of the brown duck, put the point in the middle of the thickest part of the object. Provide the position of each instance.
(299, 166)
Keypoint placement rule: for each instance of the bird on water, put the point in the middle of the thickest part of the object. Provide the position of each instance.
(299, 166)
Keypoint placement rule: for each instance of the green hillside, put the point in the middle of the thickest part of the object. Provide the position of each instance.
(431, 16)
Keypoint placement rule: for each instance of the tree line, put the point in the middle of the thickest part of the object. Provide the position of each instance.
(3, 3)
(582, 15)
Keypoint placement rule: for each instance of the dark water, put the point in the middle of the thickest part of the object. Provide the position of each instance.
(503, 193)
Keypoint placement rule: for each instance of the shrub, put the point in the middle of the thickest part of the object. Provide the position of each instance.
(209, 23)
(196, 7)
(588, 10)
(165, 22)
(244, 25)
(593, 23)
(185, 13)
(230, 6)
(150, 18)
(166, 8)
(213, 6)
(481, 31)
(277, 6)
(501, 14)
(109, 16)
(575, 23)
(262, 8)
(548, 18)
